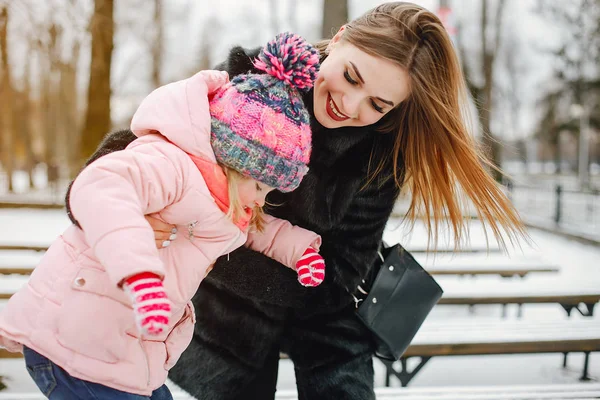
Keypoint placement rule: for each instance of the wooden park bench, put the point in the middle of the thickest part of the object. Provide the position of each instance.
(20, 262)
(417, 248)
(34, 205)
(581, 391)
(10, 284)
(484, 336)
(505, 271)
(516, 392)
(538, 291)
(456, 292)
(484, 264)
(512, 392)
(21, 247)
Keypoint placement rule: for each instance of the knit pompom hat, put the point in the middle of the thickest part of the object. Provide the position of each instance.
(260, 126)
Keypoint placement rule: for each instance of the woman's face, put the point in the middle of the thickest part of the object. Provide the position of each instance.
(356, 89)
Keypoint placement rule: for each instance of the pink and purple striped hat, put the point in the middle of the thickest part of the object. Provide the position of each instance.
(260, 126)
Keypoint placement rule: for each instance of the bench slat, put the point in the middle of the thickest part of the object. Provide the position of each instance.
(516, 392)
(481, 336)
(20, 247)
(498, 291)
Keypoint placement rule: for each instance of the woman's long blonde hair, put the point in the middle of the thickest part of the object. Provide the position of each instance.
(236, 208)
(443, 164)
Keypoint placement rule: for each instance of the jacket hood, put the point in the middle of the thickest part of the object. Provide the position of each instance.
(179, 111)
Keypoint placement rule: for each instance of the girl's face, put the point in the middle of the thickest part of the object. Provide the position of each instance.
(356, 89)
(252, 193)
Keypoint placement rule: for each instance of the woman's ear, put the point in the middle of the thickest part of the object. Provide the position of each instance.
(338, 35)
(335, 39)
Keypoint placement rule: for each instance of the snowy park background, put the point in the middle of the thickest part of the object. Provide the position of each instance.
(544, 121)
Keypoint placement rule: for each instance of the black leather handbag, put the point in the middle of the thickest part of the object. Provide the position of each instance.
(395, 299)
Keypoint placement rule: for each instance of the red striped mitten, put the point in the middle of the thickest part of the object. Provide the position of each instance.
(151, 306)
(310, 268)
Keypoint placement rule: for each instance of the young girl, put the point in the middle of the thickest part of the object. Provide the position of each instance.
(74, 319)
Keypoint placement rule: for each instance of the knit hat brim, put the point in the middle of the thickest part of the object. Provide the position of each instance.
(255, 160)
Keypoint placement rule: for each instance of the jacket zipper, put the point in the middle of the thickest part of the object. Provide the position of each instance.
(146, 360)
(227, 249)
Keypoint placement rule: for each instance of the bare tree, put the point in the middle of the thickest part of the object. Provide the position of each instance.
(26, 116)
(576, 60)
(511, 94)
(52, 130)
(7, 96)
(70, 116)
(335, 14)
(514, 71)
(157, 44)
(481, 80)
(97, 118)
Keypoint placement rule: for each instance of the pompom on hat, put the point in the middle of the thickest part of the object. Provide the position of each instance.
(260, 126)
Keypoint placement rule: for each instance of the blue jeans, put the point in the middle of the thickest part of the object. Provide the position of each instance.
(56, 384)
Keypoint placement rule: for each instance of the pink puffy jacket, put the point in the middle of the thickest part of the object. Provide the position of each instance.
(73, 311)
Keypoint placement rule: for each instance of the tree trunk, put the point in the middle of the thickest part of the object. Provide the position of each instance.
(70, 117)
(335, 14)
(49, 98)
(488, 53)
(25, 127)
(56, 134)
(8, 98)
(157, 45)
(97, 118)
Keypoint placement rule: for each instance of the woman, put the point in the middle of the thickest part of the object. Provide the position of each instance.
(387, 110)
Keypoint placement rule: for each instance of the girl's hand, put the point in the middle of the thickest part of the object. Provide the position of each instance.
(163, 233)
(151, 306)
(311, 268)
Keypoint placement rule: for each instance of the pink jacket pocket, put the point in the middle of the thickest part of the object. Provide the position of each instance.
(180, 337)
(94, 317)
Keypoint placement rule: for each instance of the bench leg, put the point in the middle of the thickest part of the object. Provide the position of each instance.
(403, 375)
(568, 309)
(389, 370)
(519, 310)
(585, 376)
(589, 312)
(565, 360)
(503, 310)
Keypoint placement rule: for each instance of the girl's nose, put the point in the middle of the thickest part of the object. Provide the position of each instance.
(351, 104)
(260, 202)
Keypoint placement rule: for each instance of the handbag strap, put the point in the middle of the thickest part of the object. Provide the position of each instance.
(363, 292)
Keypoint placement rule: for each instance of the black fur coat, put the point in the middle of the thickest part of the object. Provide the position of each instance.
(331, 201)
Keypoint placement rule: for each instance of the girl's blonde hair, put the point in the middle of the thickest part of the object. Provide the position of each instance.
(236, 208)
(443, 164)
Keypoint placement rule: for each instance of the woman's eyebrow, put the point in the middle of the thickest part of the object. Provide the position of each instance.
(390, 103)
(360, 78)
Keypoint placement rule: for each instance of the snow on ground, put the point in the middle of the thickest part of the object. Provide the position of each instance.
(579, 269)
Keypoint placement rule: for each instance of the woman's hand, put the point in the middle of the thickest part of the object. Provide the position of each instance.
(163, 233)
